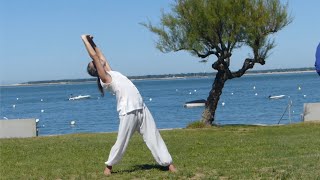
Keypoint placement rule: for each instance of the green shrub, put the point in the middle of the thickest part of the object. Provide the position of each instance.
(196, 125)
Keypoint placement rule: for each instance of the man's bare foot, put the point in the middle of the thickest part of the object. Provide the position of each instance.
(172, 168)
(107, 171)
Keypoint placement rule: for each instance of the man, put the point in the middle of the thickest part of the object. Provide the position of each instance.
(317, 63)
(133, 113)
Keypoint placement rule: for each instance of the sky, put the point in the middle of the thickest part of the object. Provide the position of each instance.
(40, 39)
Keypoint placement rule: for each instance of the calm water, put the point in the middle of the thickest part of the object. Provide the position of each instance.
(245, 102)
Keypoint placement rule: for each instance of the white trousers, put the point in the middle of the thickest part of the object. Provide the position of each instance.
(142, 121)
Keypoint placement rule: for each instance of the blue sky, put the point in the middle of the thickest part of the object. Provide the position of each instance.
(40, 39)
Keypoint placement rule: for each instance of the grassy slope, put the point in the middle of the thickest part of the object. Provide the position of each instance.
(231, 152)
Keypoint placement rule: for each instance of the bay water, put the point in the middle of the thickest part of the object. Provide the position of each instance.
(244, 101)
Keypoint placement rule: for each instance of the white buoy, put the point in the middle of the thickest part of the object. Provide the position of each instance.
(299, 88)
(256, 94)
(17, 99)
(14, 106)
(37, 120)
(254, 87)
(223, 103)
(73, 122)
(232, 93)
(195, 90)
(42, 110)
(41, 100)
(150, 99)
(304, 95)
(190, 93)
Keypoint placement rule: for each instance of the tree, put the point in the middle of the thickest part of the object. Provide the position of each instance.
(217, 27)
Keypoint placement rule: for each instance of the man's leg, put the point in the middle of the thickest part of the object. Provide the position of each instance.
(128, 125)
(154, 140)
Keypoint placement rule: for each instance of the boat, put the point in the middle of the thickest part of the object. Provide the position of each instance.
(195, 103)
(79, 97)
(277, 97)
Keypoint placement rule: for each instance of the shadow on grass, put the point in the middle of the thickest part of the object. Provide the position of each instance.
(143, 167)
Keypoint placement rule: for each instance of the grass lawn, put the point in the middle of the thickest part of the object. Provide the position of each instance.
(229, 152)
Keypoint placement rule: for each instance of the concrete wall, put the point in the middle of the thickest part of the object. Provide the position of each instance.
(18, 128)
(311, 112)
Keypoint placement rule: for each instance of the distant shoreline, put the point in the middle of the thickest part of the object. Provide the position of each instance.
(61, 82)
(43, 84)
(284, 72)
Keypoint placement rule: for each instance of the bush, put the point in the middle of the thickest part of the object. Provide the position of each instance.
(196, 125)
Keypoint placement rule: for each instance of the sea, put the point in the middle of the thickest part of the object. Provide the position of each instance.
(244, 100)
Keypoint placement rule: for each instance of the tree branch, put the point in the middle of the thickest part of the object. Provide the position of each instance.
(247, 64)
(206, 54)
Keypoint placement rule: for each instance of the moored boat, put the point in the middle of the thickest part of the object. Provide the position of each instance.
(277, 97)
(79, 97)
(195, 103)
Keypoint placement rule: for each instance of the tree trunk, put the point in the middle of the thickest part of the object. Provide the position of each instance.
(213, 98)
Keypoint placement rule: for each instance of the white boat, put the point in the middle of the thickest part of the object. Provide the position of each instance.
(276, 97)
(196, 103)
(79, 97)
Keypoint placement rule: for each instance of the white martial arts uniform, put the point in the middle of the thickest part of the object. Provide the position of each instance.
(134, 115)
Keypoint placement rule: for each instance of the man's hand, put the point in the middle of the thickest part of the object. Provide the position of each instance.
(87, 36)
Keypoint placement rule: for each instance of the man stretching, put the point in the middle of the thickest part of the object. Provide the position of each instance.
(134, 115)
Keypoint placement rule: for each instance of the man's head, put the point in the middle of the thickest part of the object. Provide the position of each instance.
(91, 69)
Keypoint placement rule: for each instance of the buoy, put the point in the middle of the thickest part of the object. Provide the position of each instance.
(232, 93)
(299, 88)
(14, 106)
(190, 93)
(42, 110)
(17, 99)
(73, 122)
(254, 87)
(150, 99)
(256, 94)
(37, 120)
(223, 103)
(41, 100)
(304, 95)
(195, 90)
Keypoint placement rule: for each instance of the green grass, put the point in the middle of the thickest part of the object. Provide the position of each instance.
(229, 152)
